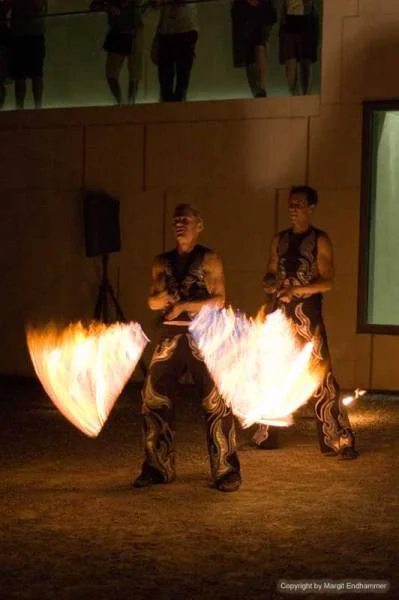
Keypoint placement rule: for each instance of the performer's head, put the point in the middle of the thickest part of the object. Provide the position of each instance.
(187, 224)
(301, 203)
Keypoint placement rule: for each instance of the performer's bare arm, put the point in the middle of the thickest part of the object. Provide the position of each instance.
(214, 279)
(270, 279)
(159, 298)
(325, 280)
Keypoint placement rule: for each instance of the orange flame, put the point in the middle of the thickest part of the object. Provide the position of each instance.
(84, 369)
(257, 365)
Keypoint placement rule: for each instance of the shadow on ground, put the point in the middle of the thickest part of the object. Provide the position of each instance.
(72, 528)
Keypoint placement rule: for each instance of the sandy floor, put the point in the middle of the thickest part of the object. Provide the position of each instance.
(72, 528)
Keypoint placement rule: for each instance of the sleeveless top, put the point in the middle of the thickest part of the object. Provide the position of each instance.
(178, 18)
(297, 263)
(185, 275)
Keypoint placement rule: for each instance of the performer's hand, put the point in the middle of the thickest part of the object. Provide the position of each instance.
(270, 283)
(253, 2)
(286, 294)
(166, 300)
(175, 311)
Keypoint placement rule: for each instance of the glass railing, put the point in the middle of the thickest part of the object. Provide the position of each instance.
(74, 70)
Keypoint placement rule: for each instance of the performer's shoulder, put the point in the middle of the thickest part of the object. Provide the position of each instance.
(319, 231)
(321, 234)
(204, 250)
(282, 233)
(163, 259)
(165, 256)
(210, 258)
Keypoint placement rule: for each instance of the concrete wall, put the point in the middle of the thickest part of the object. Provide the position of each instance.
(235, 159)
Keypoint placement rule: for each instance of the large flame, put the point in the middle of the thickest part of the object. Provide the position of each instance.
(84, 369)
(257, 364)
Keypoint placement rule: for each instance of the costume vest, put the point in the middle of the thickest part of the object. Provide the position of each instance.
(185, 275)
(297, 261)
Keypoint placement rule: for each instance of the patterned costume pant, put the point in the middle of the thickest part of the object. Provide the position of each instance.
(333, 427)
(171, 356)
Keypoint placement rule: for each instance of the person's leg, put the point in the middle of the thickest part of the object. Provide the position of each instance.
(159, 389)
(257, 72)
(220, 424)
(305, 69)
(166, 68)
(112, 71)
(251, 71)
(250, 43)
(35, 67)
(20, 93)
(184, 59)
(291, 73)
(18, 70)
(262, 63)
(37, 91)
(135, 65)
(287, 57)
(308, 51)
(3, 74)
(263, 34)
(333, 427)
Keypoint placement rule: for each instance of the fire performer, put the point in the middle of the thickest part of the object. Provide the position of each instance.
(183, 280)
(301, 269)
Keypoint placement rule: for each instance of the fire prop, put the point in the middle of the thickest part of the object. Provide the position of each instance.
(84, 369)
(257, 365)
(350, 399)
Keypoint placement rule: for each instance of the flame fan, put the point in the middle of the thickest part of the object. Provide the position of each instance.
(258, 366)
(84, 369)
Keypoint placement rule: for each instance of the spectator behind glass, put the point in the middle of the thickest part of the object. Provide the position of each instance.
(123, 42)
(174, 48)
(27, 48)
(299, 40)
(5, 6)
(252, 24)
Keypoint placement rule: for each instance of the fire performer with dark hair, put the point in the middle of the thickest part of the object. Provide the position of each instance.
(183, 280)
(301, 269)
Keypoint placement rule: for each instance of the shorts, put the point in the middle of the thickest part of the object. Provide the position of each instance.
(252, 26)
(120, 43)
(27, 54)
(299, 38)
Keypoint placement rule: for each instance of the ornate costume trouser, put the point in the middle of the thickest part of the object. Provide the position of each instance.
(171, 356)
(333, 427)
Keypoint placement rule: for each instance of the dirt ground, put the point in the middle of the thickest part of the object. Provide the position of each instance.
(72, 527)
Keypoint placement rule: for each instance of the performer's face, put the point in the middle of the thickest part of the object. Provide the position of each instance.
(186, 227)
(299, 211)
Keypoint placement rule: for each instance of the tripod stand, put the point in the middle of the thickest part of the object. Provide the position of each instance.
(106, 294)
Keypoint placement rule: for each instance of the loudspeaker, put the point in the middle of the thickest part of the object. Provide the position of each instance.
(101, 222)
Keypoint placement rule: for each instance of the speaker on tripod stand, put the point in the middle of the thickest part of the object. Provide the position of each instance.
(102, 238)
